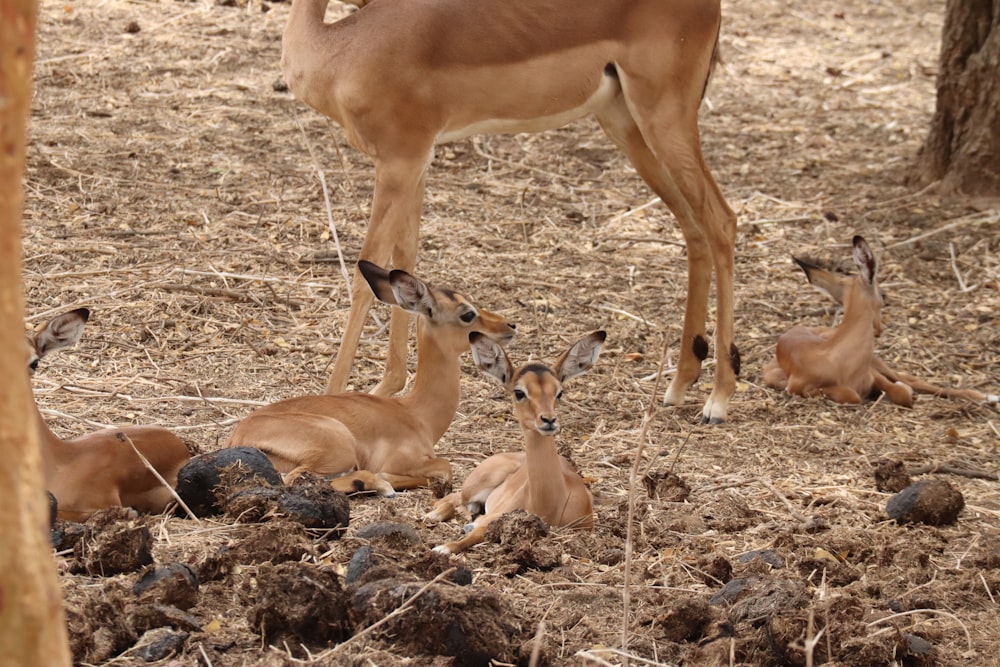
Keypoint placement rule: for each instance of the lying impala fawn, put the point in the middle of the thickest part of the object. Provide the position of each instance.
(101, 470)
(840, 362)
(536, 480)
(374, 442)
(402, 76)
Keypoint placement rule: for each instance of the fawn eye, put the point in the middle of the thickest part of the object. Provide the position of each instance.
(559, 395)
(519, 395)
(467, 316)
(33, 365)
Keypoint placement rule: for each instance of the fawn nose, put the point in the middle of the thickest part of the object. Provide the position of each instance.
(547, 424)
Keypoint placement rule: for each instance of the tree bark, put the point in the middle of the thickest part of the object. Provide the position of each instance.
(32, 625)
(963, 147)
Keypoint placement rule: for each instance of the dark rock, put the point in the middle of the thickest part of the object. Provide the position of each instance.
(766, 556)
(174, 584)
(65, 535)
(199, 481)
(934, 502)
(159, 644)
(395, 533)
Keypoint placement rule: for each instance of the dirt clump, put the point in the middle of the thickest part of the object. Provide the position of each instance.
(207, 479)
(472, 624)
(891, 476)
(934, 502)
(666, 486)
(113, 541)
(273, 542)
(297, 603)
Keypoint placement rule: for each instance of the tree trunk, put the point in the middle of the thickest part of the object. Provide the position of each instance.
(963, 147)
(32, 627)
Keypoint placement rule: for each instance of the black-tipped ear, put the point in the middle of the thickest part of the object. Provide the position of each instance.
(828, 281)
(411, 293)
(61, 331)
(865, 259)
(580, 357)
(378, 280)
(490, 357)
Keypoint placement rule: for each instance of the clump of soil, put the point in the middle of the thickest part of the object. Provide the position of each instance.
(207, 479)
(274, 542)
(524, 544)
(934, 502)
(114, 541)
(311, 502)
(471, 624)
(891, 476)
(666, 486)
(297, 603)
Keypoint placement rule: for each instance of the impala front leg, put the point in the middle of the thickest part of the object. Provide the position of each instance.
(392, 233)
(404, 256)
(721, 223)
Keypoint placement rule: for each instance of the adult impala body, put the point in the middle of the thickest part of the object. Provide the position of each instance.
(402, 76)
(101, 469)
(840, 362)
(536, 480)
(374, 442)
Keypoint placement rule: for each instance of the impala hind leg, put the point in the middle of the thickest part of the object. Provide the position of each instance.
(774, 375)
(677, 174)
(895, 390)
(428, 472)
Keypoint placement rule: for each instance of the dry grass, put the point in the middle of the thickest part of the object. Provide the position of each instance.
(170, 189)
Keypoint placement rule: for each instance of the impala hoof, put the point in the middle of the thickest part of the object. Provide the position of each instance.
(442, 549)
(712, 420)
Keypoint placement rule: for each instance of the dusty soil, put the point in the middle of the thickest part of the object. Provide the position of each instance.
(171, 188)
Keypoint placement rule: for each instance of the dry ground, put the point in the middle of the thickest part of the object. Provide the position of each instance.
(170, 188)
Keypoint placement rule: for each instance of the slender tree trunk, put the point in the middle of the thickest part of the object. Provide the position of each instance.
(963, 147)
(32, 627)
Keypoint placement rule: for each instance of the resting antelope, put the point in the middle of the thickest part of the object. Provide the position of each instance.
(101, 470)
(374, 442)
(403, 75)
(536, 480)
(840, 362)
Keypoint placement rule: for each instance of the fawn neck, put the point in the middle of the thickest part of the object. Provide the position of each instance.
(54, 450)
(546, 485)
(856, 333)
(436, 389)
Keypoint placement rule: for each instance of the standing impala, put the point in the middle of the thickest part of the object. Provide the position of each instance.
(101, 469)
(374, 442)
(536, 480)
(403, 75)
(840, 362)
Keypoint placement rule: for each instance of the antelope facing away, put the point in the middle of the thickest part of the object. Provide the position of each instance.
(402, 76)
(840, 362)
(101, 470)
(537, 480)
(374, 442)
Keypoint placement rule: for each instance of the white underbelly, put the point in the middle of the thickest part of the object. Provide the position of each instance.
(559, 117)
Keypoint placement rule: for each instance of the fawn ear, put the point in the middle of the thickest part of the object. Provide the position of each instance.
(865, 259)
(398, 288)
(580, 356)
(491, 358)
(61, 331)
(832, 283)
